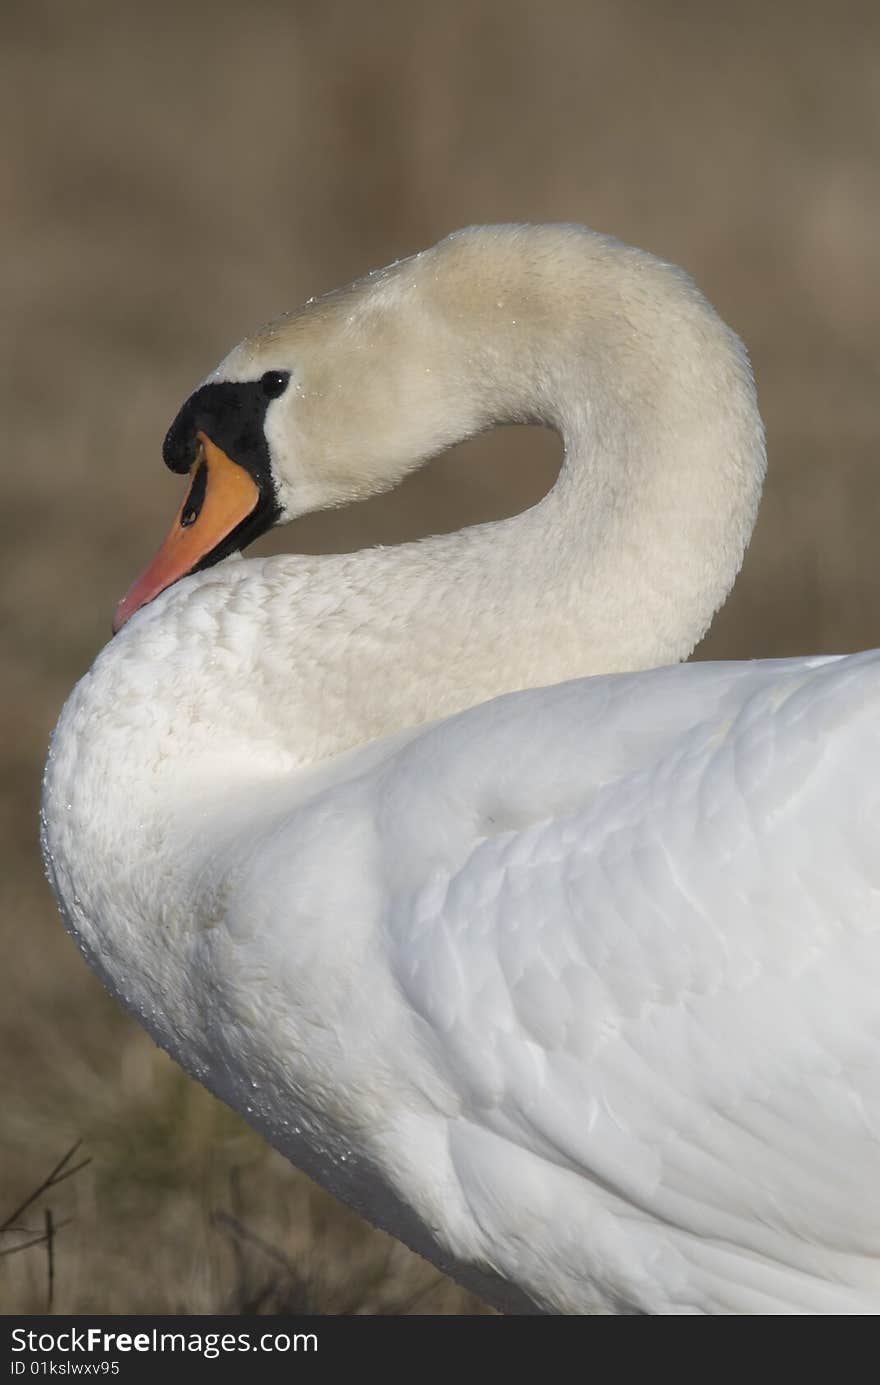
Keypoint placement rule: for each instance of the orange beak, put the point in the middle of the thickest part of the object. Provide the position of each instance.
(221, 496)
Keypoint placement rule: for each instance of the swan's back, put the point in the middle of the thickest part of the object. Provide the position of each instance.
(615, 998)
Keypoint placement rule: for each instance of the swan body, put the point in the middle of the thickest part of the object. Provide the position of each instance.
(571, 987)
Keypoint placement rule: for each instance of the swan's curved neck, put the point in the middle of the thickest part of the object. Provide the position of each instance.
(620, 567)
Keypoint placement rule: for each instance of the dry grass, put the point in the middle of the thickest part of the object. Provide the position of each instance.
(174, 175)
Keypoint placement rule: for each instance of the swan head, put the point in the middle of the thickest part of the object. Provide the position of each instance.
(218, 439)
(325, 406)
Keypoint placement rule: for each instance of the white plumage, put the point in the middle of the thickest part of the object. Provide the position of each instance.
(573, 989)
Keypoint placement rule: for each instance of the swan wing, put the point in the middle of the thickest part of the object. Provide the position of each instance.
(636, 919)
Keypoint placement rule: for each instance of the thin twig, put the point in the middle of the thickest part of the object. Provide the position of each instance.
(51, 1181)
(35, 1240)
(50, 1258)
(68, 1173)
(242, 1289)
(251, 1238)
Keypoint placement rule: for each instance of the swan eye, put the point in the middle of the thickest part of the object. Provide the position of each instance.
(274, 382)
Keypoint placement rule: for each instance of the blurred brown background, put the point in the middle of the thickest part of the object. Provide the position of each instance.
(176, 173)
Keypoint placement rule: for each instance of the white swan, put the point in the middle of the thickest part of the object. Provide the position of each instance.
(574, 991)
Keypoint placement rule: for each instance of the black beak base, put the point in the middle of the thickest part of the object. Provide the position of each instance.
(233, 415)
